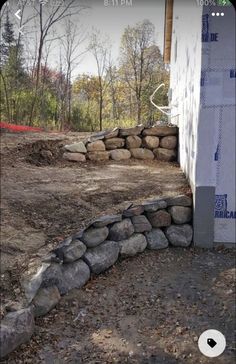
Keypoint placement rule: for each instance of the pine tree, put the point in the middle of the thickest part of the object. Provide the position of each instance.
(8, 40)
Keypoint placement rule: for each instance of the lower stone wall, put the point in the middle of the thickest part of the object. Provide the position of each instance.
(154, 224)
(158, 142)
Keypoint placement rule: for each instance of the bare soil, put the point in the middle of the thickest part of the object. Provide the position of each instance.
(149, 309)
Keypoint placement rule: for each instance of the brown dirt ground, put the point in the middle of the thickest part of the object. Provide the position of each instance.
(45, 200)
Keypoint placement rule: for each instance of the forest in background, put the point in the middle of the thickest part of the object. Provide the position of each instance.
(35, 93)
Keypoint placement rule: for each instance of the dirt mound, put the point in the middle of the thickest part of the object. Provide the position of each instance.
(43, 152)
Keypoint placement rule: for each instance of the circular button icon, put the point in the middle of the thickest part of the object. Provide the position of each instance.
(211, 343)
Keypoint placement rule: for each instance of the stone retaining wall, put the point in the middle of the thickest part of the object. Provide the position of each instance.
(154, 224)
(158, 142)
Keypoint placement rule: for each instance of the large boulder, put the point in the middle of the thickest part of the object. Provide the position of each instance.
(131, 131)
(96, 146)
(98, 156)
(179, 235)
(133, 141)
(168, 142)
(180, 200)
(120, 154)
(76, 148)
(66, 276)
(154, 205)
(121, 230)
(74, 251)
(180, 214)
(106, 220)
(159, 218)
(161, 130)
(94, 236)
(114, 143)
(45, 300)
(156, 239)
(16, 329)
(102, 257)
(141, 224)
(167, 155)
(132, 246)
(74, 157)
(141, 153)
(151, 142)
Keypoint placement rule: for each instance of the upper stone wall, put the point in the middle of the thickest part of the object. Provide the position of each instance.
(158, 142)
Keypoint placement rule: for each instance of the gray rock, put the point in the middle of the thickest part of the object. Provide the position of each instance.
(180, 214)
(74, 251)
(131, 131)
(133, 211)
(121, 230)
(161, 130)
(96, 146)
(156, 239)
(141, 153)
(133, 141)
(141, 224)
(102, 257)
(66, 276)
(74, 157)
(181, 200)
(135, 244)
(159, 218)
(111, 133)
(31, 284)
(166, 155)
(16, 329)
(46, 154)
(97, 136)
(76, 148)
(151, 142)
(168, 142)
(114, 143)
(106, 220)
(98, 156)
(120, 154)
(154, 205)
(179, 235)
(45, 300)
(95, 236)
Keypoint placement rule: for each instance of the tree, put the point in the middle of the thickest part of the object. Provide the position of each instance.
(99, 48)
(139, 58)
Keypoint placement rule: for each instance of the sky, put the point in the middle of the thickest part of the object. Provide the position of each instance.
(110, 17)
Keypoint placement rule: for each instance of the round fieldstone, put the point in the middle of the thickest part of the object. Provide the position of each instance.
(160, 218)
(74, 157)
(98, 145)
(94, 236)
(121, 230)
(120, 154)
(150, 142)
(102, 257)
(141, 224)
(179, 235)
(168, 142)
(142, 153)
(98, 156)
(114, 143)
(135, 244)
(133, 141)
(180, 214)
(156, 239)
(74, 251)
(45, 300)
(167, 155)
